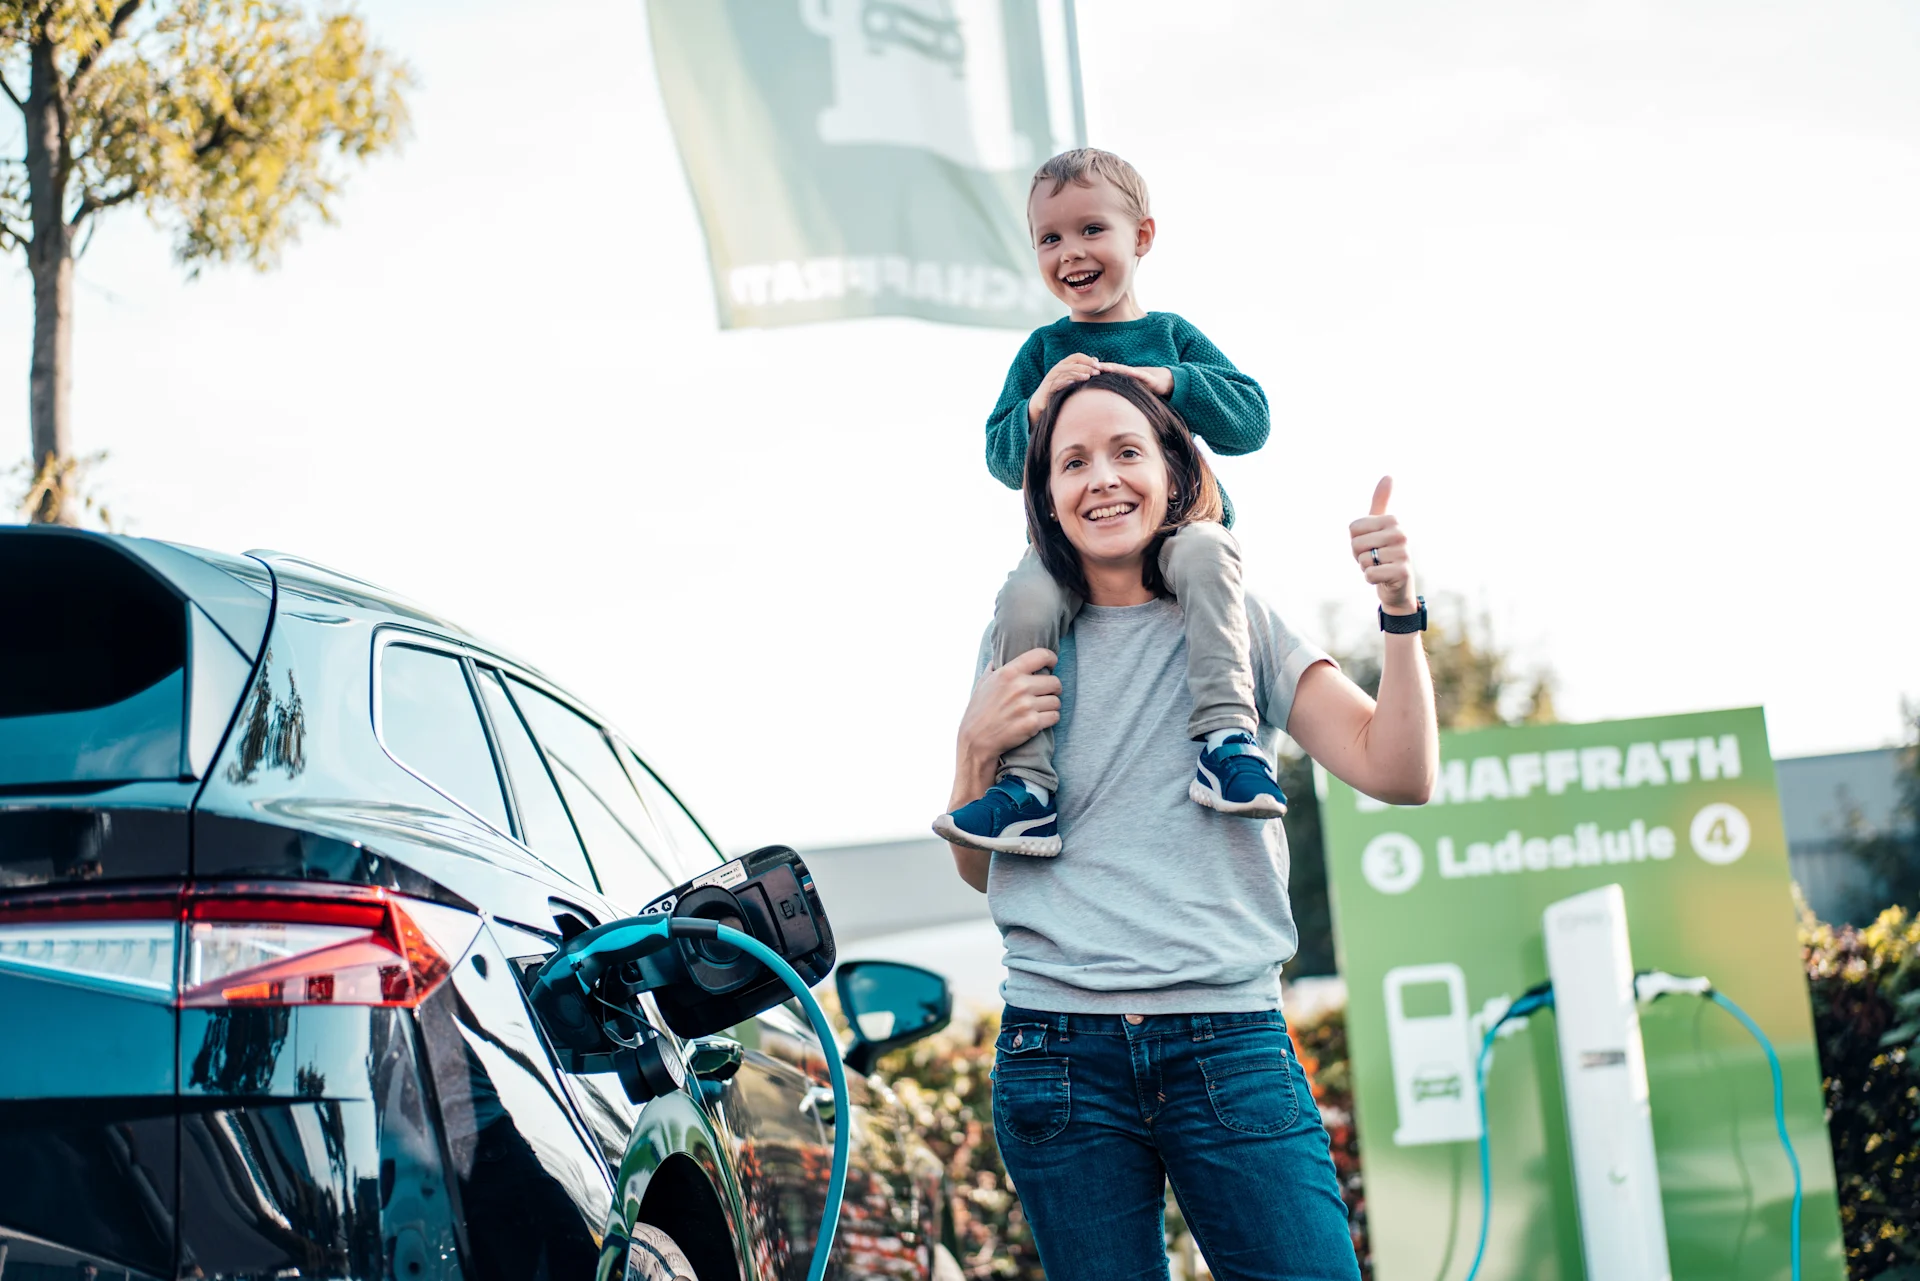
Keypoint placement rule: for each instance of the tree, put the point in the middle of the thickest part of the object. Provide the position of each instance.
(227, 121)
(1475, 682)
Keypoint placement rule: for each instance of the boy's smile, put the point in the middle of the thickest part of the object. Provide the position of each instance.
(1088, 246)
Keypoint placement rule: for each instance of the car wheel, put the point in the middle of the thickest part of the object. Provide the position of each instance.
(652, 1256)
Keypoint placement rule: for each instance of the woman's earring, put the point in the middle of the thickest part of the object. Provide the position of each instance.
(1054, 517)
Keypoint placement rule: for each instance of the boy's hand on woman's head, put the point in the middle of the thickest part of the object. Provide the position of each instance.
(1076, 368)
(1157, 379)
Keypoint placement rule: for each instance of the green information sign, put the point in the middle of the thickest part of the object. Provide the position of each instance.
(1439, 921)
(869, 157)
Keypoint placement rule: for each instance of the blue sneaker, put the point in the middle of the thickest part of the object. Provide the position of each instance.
(1237, 778)
(1008, 820)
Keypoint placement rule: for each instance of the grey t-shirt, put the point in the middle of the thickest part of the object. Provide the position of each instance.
(1154, 905)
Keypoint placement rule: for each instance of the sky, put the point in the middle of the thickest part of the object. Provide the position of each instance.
(1623, 295)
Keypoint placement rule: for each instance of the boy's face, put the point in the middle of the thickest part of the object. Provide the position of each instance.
(1088, 246)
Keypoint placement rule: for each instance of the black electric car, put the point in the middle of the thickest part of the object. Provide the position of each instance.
(280, 857)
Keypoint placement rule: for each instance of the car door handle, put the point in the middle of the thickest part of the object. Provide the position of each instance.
(715, 1058)
(819, 1101)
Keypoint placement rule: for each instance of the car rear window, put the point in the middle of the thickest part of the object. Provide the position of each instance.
(93, 666)
(430, 725)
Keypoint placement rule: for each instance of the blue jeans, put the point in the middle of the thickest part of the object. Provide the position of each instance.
(1095, 1114)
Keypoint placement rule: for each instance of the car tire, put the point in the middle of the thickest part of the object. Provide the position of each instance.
(652, 1256)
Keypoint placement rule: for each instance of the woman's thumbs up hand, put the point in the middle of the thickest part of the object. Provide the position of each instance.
(1380, 547)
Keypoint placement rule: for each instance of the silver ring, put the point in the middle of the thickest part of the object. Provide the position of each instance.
(1375, 553)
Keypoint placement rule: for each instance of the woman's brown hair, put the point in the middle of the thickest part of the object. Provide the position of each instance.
(1192, 493)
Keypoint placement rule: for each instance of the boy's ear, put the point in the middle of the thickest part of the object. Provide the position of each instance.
(1143, 238)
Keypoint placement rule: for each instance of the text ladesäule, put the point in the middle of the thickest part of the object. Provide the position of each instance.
(1585, 846)
(1603, 768)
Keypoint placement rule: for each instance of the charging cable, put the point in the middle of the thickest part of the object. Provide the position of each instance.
(1535, 998)
(683, 927)
(1648, 986)
(628, 940)
(1651, 985)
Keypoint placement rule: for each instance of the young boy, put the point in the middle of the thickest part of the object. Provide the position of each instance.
(1091, 225)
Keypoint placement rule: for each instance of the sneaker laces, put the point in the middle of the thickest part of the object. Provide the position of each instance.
(1234, 765)
(1004, 799)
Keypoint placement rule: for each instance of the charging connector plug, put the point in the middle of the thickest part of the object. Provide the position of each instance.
(1650, 985)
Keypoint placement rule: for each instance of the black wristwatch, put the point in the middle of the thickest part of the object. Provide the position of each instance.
(1401, 624)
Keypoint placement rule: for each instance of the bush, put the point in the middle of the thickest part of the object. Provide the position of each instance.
(945, 1084)
(1866, 1012)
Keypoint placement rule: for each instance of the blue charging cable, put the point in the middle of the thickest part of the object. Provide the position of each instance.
(842, 1106)
(1779, 1112)
(629, 940)
(1535, 998)
(1648, 986)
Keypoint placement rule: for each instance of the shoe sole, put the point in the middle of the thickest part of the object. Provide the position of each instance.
(1031, 846)
(1258, 807)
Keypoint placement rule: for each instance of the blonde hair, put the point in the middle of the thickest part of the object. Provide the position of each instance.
(1082, 165)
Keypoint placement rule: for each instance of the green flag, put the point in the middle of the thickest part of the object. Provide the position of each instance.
(869, 157)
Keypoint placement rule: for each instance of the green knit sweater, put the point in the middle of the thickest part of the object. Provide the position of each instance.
(1221, 405)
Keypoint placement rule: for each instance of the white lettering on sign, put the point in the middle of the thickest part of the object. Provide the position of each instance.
(1393, 862)
(1602, 768)
(967, 287)
(1585, 846)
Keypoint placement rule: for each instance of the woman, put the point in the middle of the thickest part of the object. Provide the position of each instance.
(1142, 1040)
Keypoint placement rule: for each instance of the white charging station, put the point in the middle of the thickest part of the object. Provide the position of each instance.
(1603, 1074)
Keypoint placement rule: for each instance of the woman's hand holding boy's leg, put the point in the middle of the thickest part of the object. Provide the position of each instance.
(1011, 703)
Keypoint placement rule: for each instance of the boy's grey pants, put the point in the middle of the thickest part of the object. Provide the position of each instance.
(1201, 565)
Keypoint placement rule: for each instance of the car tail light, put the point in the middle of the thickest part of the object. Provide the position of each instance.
(231, 945)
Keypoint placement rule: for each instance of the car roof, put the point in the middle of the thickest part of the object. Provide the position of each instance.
(323, 583)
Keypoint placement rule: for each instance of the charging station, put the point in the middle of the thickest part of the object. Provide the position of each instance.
(1494, 937)
(1603, 1079)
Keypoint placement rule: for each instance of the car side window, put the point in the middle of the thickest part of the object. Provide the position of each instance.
(627, 850)
(696, 850)
(429, 724)
(544, 827)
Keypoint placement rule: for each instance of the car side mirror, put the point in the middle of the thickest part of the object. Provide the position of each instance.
(889, 1005)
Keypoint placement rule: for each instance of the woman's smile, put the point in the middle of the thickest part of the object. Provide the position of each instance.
(1111, 511)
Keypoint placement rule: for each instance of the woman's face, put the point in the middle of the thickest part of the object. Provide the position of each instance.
(1108, 478)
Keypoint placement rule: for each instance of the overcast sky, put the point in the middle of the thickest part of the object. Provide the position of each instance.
(1623, 294)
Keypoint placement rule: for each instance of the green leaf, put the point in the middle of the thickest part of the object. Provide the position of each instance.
(1901, 1035)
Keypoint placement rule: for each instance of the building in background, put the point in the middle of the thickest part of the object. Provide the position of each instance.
(1825, 800)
